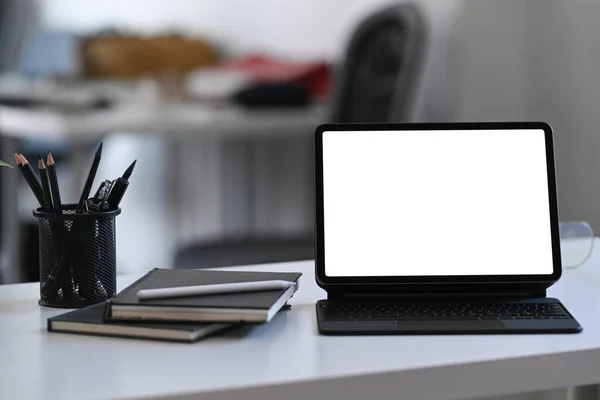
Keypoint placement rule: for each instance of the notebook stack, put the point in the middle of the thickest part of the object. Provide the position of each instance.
(185, 319)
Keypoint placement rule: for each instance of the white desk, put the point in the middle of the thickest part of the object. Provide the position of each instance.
(287, 359)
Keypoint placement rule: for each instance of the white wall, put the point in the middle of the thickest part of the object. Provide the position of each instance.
(540, 60)
(307, 28)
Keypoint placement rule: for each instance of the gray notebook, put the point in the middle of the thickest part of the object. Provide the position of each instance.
(91, 321)
(250, 307)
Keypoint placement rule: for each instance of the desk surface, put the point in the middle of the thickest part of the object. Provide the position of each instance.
(288, 359)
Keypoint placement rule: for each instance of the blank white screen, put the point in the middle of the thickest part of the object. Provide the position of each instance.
(409, 203)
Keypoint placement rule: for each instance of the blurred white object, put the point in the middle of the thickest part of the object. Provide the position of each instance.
(576, 243)
(215, 85)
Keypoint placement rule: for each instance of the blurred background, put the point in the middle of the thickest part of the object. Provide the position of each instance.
(218, 100)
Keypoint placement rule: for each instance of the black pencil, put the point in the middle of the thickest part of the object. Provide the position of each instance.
(90, 179)
(38, 195)
(54, 184)
(35, 181)
(45, 185)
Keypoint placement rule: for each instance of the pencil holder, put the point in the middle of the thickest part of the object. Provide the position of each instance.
(78, 264)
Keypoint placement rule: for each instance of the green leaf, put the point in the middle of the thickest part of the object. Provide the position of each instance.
(3, 164)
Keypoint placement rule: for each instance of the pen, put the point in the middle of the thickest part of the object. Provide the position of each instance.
(38, 195)
(221, 288)
(119, 187)
(90, 179)
(54, 185)
(45, 185)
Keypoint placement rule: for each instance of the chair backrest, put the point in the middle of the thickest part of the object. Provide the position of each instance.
(382, 67)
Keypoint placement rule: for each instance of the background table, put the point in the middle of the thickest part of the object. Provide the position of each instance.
(169, 119)
(217, 157)
(288, 359)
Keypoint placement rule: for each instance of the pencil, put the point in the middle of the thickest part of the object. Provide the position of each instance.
(32, 175)
(28, 179)
(90, 179)
(45, 185)
(54, 189)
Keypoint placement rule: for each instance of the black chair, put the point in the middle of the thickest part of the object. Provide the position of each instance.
(377, 82)
(383, 67)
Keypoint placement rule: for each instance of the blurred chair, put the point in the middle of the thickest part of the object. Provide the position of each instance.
(383, 67)
(377, 82)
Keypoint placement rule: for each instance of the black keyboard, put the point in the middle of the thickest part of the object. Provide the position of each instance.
(440, 311)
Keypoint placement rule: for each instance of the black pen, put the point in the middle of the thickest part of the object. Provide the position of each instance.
(90, 179)
(119, 187)
(54, 185)
(45, 185)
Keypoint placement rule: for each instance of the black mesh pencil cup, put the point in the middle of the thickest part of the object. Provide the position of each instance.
(78, 265)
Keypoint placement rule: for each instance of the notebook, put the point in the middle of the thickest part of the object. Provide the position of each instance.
(90, 321)
(251, 307)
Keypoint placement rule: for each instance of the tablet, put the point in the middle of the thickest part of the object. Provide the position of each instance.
(436, 203)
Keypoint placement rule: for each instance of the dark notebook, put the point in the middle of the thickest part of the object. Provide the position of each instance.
(90, 321)
(250, 307)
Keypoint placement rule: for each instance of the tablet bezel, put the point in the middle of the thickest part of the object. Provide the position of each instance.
(327, 281)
